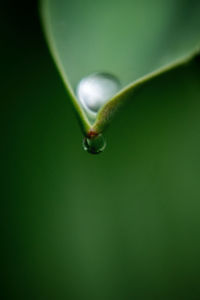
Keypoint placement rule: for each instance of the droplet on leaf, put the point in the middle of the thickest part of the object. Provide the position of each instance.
(95, 90)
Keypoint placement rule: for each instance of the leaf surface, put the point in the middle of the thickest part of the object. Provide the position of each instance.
(135, 40)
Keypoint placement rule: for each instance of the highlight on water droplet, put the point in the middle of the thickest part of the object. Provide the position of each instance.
(95, 90)
(94, 144)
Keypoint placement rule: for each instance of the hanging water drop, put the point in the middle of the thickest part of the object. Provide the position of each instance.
(94, 144)
(95, 90)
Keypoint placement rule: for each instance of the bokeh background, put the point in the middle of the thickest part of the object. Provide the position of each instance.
(121, 225)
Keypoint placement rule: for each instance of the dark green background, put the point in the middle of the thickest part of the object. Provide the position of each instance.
(121, 225)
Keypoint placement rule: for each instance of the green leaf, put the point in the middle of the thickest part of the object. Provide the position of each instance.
(135, 40)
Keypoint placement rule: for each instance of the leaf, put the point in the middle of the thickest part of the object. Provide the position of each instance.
(135, 40)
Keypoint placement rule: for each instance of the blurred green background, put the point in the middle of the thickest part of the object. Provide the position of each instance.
(121, 225)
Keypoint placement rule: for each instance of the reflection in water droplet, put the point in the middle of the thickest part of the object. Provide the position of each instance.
(95, 90)
(94, 145)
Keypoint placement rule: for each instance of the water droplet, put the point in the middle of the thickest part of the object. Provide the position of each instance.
(95, 144)
(95, 90)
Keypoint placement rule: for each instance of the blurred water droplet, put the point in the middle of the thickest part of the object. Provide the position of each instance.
(95, 90)
(94, 145)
